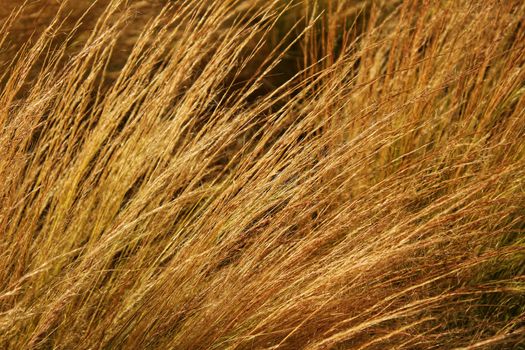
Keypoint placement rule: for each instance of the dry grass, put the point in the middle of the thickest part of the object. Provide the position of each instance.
(244, 174)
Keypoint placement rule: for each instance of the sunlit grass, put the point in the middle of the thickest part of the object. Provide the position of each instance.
(253, 175)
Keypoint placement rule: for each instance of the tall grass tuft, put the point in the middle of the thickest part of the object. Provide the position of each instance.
(253, 174)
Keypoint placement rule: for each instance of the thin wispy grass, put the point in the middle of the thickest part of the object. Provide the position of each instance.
(248, 174)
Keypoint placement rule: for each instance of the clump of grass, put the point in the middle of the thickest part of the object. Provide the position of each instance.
(167, 188)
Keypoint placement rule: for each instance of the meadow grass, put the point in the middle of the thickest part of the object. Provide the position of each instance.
(245, 174)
